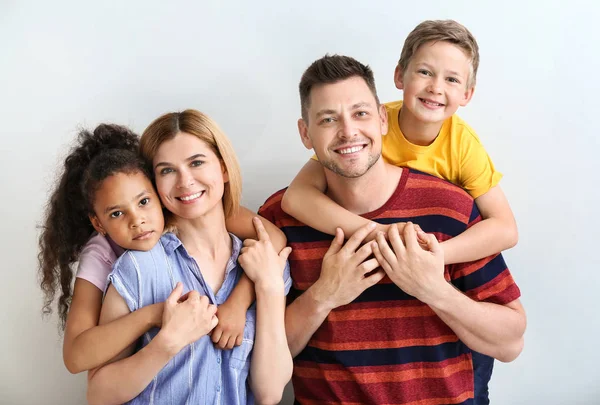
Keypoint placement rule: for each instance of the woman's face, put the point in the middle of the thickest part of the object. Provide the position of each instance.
(190, 179)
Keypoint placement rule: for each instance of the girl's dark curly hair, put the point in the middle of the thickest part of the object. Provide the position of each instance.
(110, 149)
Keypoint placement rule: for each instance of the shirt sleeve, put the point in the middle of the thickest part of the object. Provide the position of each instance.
(95, 261)
(126, 278)
(477, 172)
(487, 279)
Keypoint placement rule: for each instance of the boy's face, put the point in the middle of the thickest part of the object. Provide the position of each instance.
(129, 211)
(435, 82)
(344, 126)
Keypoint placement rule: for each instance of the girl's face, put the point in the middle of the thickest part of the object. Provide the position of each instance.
(129, 211)
(190, 178)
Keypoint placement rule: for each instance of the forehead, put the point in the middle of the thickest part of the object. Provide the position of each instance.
(122, 186)
(346, 92)
(182, 146)
(442, 53)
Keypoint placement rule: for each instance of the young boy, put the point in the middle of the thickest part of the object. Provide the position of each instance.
(437, 73)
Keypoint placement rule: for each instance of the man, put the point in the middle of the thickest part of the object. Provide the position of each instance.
(399, 327)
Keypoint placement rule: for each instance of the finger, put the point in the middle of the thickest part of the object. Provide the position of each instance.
(387, 252)
(230, 343)
(212, 309)
(216, 334)
(368, 266)
(358, 237)
(379, 256)
(261, 232)
(336, 243)
(223, 342)
(361, 254)
(175, 295)
(410, 237)
(250, 242)
(285, 252)
(433, 244)
(373, 278)
(214, 322)
(396, 240)
(244, 250)
(238, 340)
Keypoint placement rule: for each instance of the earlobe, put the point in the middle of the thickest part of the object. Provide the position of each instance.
(467, 96)
(303, 130)
(383, 117)
(225, 173)
(97, 225)
(398, 80)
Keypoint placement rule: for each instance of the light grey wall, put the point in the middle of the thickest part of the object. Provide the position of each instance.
(71, 63)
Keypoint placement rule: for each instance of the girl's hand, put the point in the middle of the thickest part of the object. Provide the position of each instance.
(186, 319)
(261, 263)
(230, 330)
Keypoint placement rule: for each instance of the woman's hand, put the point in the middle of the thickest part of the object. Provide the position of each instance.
(186, 319)
(261, 263)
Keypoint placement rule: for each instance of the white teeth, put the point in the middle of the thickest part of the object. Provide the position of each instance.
(432, 103)
(350, 150)
(191, 197)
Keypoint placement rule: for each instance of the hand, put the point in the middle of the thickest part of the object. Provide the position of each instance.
(230, 330)
(260, 261)
(186, 321)
(346, 272)
(418, 269)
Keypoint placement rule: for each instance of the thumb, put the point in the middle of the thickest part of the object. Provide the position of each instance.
(432, 244)
(336, 243)
(285, 252)
(175, 294)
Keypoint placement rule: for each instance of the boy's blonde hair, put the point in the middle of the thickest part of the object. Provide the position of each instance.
(200, 125)
(441, 30)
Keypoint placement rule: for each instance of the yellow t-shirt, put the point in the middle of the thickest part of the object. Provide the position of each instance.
(455, 155)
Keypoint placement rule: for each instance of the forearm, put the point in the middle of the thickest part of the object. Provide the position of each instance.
(303, 317)
(492, 329)
(487, 237)
(271, 366)
(100, 344)
(243, 294)
(123, 380)
(241, 226)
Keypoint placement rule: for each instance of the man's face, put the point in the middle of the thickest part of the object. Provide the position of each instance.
(344, 127)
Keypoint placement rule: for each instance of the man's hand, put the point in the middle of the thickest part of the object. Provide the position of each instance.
(415, 261)
(346, 272)
(230, 330)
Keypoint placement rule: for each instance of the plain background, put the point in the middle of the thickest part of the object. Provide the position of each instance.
(69, 64)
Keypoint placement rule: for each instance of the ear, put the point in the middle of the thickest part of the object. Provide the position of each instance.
(398, 78)
(97, 225)
(467, 96)
(225, 173)
(303, 130)
(383, 118)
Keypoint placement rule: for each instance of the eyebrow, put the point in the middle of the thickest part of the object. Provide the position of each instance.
(196, 156)
(114, 207)
(354, 107)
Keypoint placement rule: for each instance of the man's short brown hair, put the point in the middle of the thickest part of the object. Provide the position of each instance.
(331, 69)
(441, 30)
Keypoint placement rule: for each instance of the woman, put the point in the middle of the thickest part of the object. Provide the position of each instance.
(198, 181)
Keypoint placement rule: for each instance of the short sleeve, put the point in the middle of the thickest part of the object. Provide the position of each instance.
(95, 261)
(126, 278)
(287, 278)
(477, 172)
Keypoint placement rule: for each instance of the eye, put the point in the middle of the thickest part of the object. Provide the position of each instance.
(165, 170)
(453, 80)
(362, 113)
(144, 201)
(196, 163)
(116, 214)
(424, 72)
(327, 120)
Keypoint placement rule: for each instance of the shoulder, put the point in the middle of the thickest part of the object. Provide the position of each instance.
(461, 131)
(99, 247)
(393, 105)
(271, 209)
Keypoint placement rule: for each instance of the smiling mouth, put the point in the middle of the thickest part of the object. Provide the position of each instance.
(431, 103)
(190, 197)
(144, 235)
(349, 150)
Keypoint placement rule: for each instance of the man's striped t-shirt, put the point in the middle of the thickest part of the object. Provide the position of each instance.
(386, 347)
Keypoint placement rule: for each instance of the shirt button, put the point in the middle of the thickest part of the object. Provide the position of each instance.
(218, 388)
(219, 360)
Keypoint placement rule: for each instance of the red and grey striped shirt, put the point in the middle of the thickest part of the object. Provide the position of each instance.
(386, 347)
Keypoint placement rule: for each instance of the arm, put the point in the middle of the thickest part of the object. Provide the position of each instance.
(126, 377)
(88, 345)
(492, 329)
(495, 233)
(305, 200)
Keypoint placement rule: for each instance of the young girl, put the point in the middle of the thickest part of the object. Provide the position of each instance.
(101, 166)
(198, 180)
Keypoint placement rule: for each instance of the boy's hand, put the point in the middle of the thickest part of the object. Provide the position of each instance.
(230, 330)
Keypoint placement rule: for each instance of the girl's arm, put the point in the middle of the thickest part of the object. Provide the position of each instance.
(87, 345)
(126, 377)
(306, 201)
(232, 313)
(495, 233)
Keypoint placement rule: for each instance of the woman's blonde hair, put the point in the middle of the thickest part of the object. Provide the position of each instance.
(200, 125)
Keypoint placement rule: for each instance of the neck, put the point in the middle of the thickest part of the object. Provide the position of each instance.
(416, 131)
(365, 193)
(205, 236)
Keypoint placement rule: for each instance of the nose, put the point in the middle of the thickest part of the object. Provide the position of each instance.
(435, 85)
(185, 179)
(137, 218)
(347, 128)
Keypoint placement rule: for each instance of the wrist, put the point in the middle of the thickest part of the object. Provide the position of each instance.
(156, 315)
(166, 344)
(322, 299)
(269, 287)
(440, 296)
